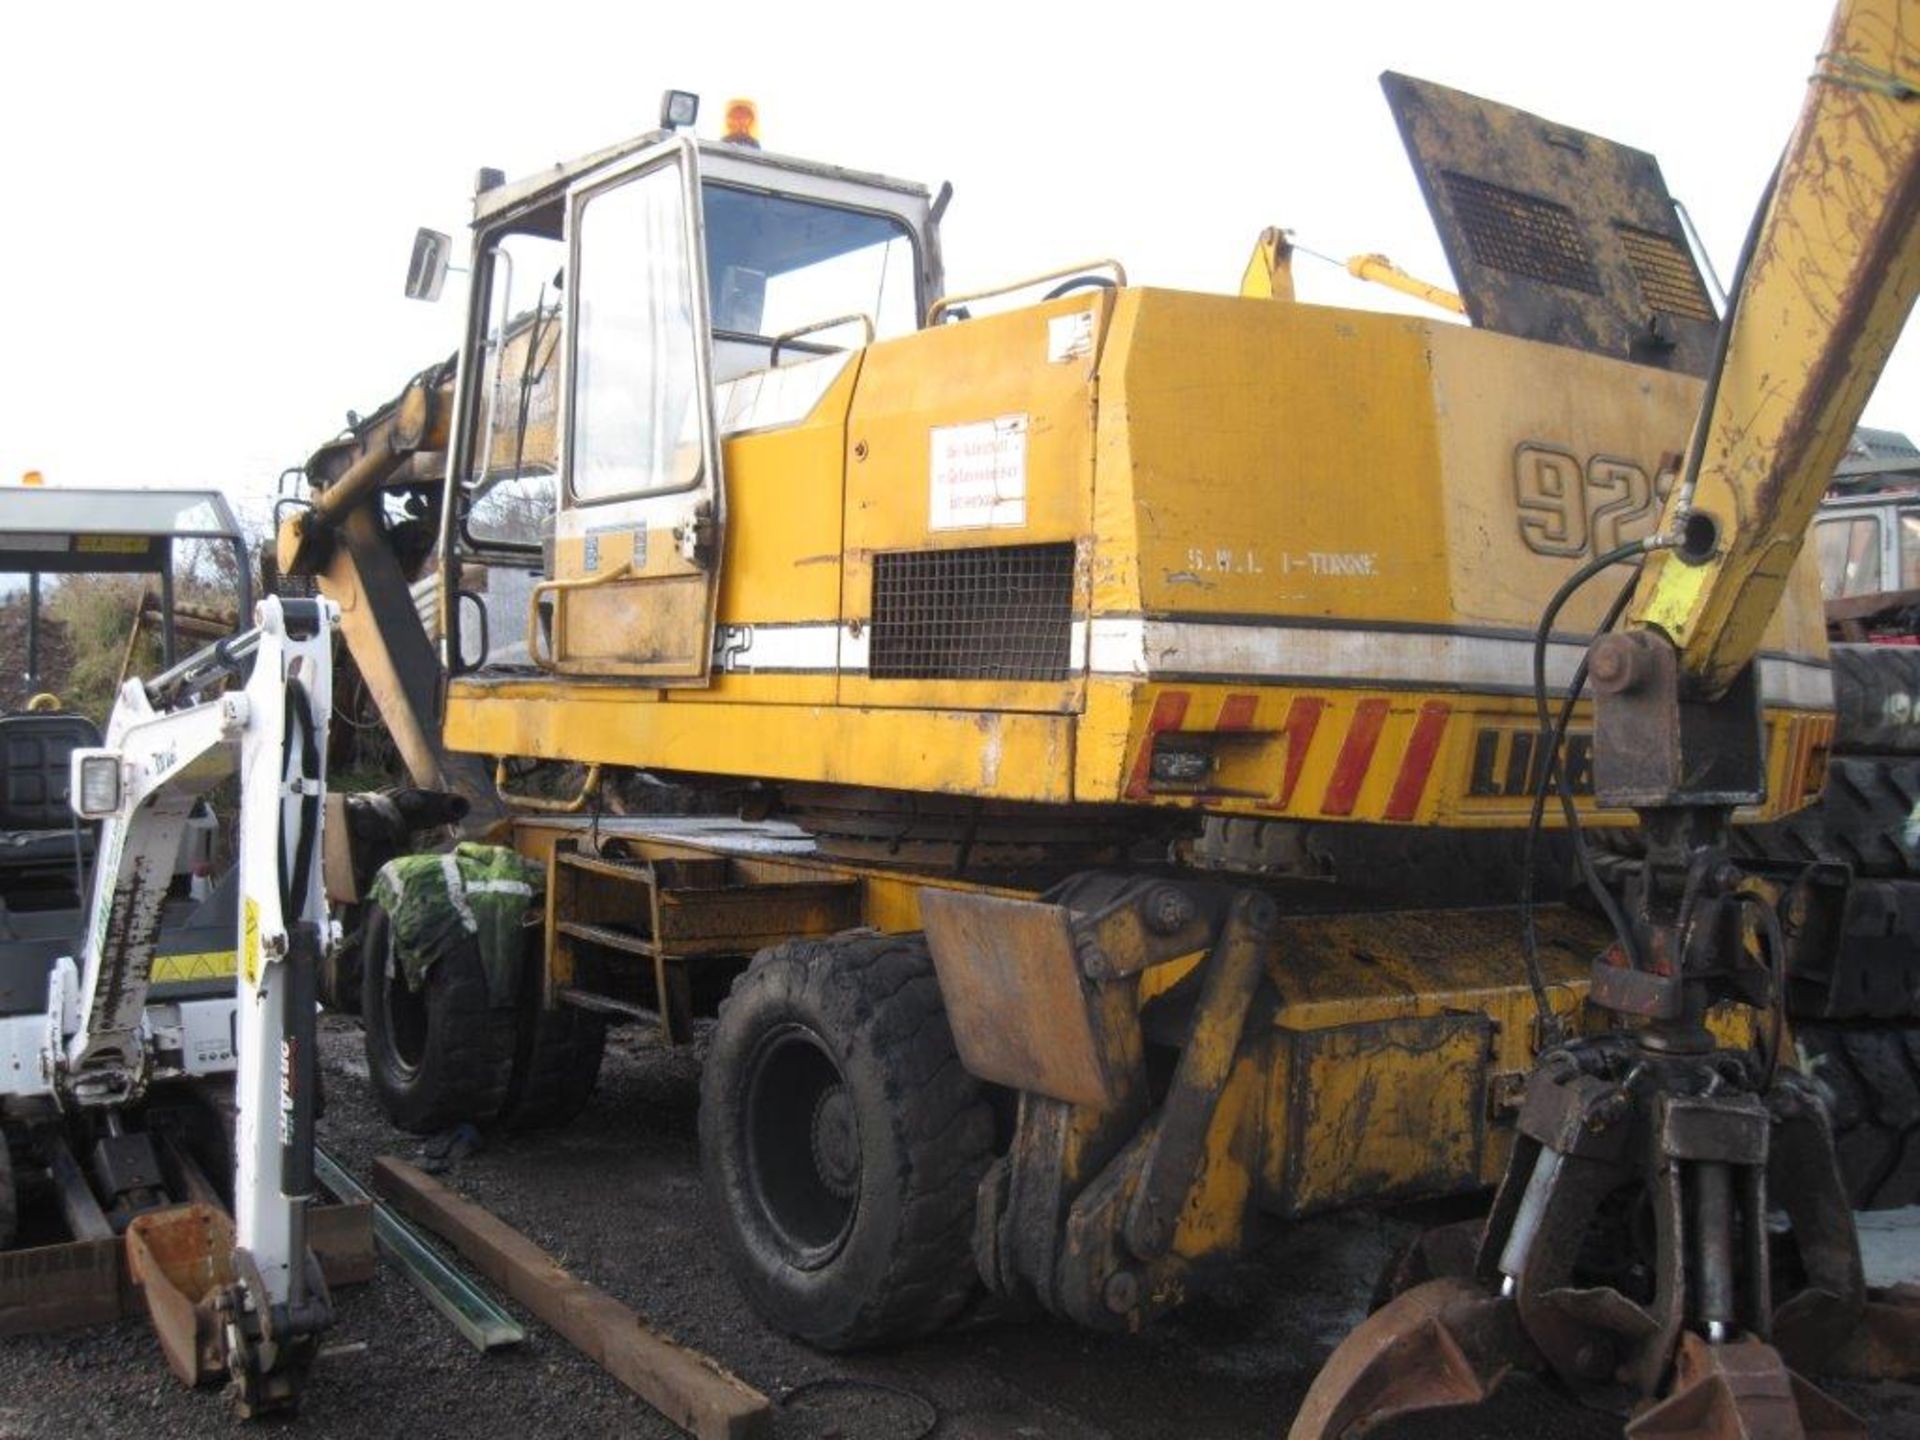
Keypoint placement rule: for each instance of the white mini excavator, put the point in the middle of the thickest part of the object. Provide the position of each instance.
(135, 1084)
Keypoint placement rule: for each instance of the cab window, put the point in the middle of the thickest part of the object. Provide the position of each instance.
(1850, 556)
(776, 264)
(512, 453)
(1910, 549)
(636, 407)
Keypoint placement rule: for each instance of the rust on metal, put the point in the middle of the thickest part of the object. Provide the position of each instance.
(1741, 1391)
(1440, 1345)
(182, 1259)
(1552, 233)
(691, 1390)
(1019, 1007)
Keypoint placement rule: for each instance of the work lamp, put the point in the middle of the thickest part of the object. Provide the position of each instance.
(96, 783)
(678, 109)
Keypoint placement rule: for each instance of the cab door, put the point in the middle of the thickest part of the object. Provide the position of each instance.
(637, 538)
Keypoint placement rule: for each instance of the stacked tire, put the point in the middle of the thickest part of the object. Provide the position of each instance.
(1861, 1038)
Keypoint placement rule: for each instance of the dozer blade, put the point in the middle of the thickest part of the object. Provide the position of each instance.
(182, 1259)
(1742, 1391)
(1441, 1344)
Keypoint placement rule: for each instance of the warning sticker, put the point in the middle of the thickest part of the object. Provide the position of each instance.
(250, 944)
(1069, 337)
(979, 475)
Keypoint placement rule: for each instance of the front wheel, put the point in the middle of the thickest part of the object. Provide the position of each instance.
(843, 1141)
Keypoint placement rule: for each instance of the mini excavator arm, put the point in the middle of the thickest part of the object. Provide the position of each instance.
(264, 1304)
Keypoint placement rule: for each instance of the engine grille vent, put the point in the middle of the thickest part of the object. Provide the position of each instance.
(1666, 274)
(1520, 233)
(1001, 612)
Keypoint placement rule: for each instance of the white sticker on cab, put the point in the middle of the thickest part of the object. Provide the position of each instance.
(978, 475)
(1069, 337)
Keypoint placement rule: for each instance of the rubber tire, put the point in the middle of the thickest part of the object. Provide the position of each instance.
(1876, 699)
(558, 1057)
(1871, 1076)
(904, 1266)
(1858, 821)
(9, 1199)
(465, 1051)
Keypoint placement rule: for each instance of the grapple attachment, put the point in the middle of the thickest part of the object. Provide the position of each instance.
(1442, 1344)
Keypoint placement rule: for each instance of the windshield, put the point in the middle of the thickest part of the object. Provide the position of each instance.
(776, 264)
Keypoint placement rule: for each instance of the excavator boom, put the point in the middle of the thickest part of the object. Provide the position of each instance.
(1828, 286)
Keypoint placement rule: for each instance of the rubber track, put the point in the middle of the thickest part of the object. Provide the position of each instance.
(1871, 1074)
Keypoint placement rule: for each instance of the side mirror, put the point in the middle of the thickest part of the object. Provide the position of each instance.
(427, 270)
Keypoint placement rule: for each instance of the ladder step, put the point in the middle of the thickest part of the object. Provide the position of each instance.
(606, 1004)
(612, 937)
(636, 871)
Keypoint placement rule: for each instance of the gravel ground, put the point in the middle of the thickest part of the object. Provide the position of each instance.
(617, 1198)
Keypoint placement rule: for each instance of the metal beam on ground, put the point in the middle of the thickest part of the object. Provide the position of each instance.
(470, 1310)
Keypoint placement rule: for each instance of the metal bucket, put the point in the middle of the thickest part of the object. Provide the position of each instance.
(182, 1259)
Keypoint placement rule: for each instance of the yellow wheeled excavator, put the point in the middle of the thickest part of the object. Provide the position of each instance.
(1163, 717)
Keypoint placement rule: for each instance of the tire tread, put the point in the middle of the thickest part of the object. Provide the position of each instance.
(940, 1117)
(1871, 1076)
(467, 1068)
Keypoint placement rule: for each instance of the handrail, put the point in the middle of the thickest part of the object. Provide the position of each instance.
(589, 787)
(947, 302)
(584, 582)
(866, 322)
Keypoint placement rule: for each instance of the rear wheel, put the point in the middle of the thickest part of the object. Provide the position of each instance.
(438, 1055)
(843, 1141)
(558, 1058)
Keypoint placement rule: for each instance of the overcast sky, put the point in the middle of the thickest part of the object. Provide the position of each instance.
(211, 207)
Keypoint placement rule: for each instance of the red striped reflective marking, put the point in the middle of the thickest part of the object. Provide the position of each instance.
(1236, 713)
(1303, 718)
(1424, 744)
(1169, 712)
(1356, 754)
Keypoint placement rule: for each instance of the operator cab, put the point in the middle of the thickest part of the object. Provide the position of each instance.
(156, 544)
(628, 312)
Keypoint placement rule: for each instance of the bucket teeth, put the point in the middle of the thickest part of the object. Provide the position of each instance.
(1442, 1344)
(1741, 1391)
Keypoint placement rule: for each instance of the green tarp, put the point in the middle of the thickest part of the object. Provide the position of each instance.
(477, 893)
